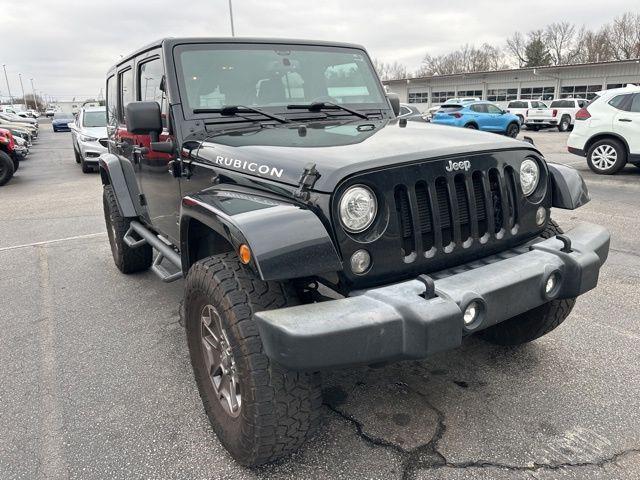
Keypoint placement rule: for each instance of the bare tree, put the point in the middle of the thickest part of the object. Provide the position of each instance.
(592, 46)
(465, 59)
(624, 36)
(559, 40)
(517, 46)
(390, 71)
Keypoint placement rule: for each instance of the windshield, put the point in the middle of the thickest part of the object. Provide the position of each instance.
(214, 75)
(95, 119)
(62, 115)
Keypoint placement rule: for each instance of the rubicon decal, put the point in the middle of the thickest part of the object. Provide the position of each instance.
(462, 165)
(249, 166)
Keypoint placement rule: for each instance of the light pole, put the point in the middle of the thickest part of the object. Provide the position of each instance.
(35, 101)
(24, 98)
(233, 32)
(7, 80)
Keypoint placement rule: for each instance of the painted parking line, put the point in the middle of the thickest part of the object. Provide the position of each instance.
(47, 242)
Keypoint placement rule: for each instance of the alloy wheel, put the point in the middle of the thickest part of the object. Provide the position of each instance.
(219, 362)
(604, 157)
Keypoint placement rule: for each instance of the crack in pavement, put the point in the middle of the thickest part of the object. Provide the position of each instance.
(427, 456)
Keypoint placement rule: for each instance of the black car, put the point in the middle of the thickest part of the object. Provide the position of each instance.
(316, 230)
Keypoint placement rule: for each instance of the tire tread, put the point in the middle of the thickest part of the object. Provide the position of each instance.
(128, 260)
(284, 406)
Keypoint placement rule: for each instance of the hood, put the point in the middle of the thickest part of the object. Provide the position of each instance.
(281, 153)
(96, 132)
(30, 121)
(22, 126)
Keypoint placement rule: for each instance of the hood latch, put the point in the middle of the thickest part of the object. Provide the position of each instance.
(308, 178)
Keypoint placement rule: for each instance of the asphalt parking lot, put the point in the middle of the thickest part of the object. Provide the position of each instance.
(96, 380)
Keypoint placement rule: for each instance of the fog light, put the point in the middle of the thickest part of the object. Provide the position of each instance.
(360, 262)
(471, 313)
(552, 281)
(541, 215)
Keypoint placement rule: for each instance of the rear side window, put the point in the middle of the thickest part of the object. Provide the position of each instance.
(450, 108)
(619, 102)
(126, 92)
(563, 104)
(480, 108)
(112, 101)
(635, 103)
(517, 105)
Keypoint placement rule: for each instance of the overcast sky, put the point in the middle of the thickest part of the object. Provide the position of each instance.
(67, 46)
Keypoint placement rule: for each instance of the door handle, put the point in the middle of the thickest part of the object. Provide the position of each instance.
(624, 120)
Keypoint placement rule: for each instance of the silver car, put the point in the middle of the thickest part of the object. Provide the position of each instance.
(89, 135)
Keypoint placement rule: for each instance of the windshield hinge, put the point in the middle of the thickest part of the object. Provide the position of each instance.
(306, 182)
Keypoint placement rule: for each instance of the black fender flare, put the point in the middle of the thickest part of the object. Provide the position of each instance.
(286, 240)
(121, 176)
(569, 189)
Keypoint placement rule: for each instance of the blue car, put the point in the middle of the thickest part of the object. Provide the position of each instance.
(61, 121)
(479, 116)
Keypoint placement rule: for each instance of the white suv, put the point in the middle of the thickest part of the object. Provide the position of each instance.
(607, 131)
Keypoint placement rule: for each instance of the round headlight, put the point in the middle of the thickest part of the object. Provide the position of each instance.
(529, 176)
(358, 207)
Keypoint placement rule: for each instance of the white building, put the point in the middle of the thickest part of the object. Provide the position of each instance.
(501, 86)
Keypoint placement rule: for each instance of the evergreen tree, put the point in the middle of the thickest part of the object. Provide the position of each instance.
(536, 53)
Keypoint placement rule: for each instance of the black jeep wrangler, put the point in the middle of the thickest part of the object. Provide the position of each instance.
(314, 229)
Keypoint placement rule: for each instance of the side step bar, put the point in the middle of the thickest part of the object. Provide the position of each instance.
(164, 251)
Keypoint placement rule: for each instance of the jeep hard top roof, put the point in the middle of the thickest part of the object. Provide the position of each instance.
(170, 42)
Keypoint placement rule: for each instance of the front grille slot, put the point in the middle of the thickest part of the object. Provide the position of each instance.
(104, 142)
(464, 214)
(444, 211)
(510, 183)
(480, 203)
(404, 219)
(454, 211)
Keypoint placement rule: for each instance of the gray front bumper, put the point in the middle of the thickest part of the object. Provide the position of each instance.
(397, 322)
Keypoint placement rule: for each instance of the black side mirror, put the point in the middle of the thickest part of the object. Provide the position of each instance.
(144, 118)
(394, 100)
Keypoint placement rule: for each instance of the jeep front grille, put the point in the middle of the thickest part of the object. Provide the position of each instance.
(451, 211)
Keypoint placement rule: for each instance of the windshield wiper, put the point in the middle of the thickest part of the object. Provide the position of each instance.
(230, 110)
(317, 106)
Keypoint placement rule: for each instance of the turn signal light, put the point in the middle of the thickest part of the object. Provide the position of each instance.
(244, 253)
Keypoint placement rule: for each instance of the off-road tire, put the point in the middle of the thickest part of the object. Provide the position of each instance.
(621, 156)
(565, 123)
(127, 259)
(6, 168)
(280, 409)
(536, 322)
